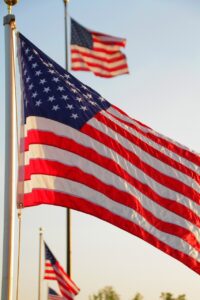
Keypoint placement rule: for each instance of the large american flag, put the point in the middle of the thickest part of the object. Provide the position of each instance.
(67, 287)
(97, 52)
(83, 153)
(53, 295)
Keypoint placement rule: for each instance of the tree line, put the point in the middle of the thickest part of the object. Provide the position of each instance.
(108, 293)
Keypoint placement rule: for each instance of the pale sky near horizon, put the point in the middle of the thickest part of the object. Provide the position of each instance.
(162, 91)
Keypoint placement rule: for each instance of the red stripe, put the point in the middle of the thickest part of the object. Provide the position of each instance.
(163, 157)
(97, 73)
(55, 198)
(53, 168)
(190, 156)
(108, 43)
(100, 58)
(47, 138)
(100, 66)
(163, 179)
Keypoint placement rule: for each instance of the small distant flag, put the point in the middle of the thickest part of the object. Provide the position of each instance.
(49, 272)
(96, 52)
(52, 295)
(67, 287)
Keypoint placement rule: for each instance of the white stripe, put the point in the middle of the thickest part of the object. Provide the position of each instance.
(102, 46)
(67, 131)
(78, 190)
(91, 60)
(99, 69)
(145, 156)
(73, 160)
(83, 51)
(168, 152)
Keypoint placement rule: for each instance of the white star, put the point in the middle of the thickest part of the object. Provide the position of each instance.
(84, 108)
(42, 81)
(93, 103)
(28, 79)
(74, 91)
(67, 76)
(84, 87)
(34, 95)
(38, 73)
(51, 71)
(74, 116)
(69, 106)
(69, 83)
(30, 57)
(30, 86)
(46, 89)
(60, 88)
(89, 96)
(65, 97)
(27, 50)
(79, 99)
(56, 79)
(34, 65)
(25, 72)
(55, 107)
(101, 99)
(51, 98)
(38, 103)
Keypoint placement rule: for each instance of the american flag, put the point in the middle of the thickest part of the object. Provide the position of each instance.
(97, 52)
(52, 295)
(83, 153)
(67, 287)
(49, 272)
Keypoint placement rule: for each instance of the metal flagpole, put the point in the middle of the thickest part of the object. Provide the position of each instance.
(40, 263)
(68, 221)
(9, 185)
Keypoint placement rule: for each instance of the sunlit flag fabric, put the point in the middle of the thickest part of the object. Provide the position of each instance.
(96, 52)
(52, 295)
(67, 287)
(83, 153)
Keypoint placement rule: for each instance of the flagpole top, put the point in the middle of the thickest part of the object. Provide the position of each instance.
(10, 4)
(66, 1)
(40, 230)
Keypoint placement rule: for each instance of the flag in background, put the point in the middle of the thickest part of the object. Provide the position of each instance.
(49, 273)
(67, 287)
(52, 295)
(96, 52)
(83, 153)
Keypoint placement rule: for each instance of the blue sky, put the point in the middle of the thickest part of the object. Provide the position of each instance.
(162, 90)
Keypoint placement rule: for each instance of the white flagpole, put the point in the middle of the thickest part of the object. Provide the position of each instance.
(68, 221)
(9, 186)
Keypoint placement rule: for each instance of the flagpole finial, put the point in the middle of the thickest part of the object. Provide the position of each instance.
(66, 1)
(10, 4)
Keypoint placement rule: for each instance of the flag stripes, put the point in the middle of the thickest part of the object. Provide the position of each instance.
(49, 273)
(144, 199)
(102, 57)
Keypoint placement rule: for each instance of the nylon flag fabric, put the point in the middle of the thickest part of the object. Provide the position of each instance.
(97, 52)
(67, 287)
(83, 153)
(52, 295)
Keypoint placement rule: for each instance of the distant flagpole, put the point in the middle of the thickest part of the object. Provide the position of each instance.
(40, 263)
(68, 221)
(9, 185)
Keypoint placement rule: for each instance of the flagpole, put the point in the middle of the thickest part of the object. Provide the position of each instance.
(40, 263)
(9, 184)
(68, 221)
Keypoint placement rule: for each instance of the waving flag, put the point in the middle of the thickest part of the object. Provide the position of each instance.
(52, 295)
(67, 287)
(83, 153)
(96, 52)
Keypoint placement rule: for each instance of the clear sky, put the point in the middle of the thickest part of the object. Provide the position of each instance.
(162, 91)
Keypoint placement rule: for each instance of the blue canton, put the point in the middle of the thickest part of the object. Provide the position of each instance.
(80, 35)
(49, 255)
(51, 92)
